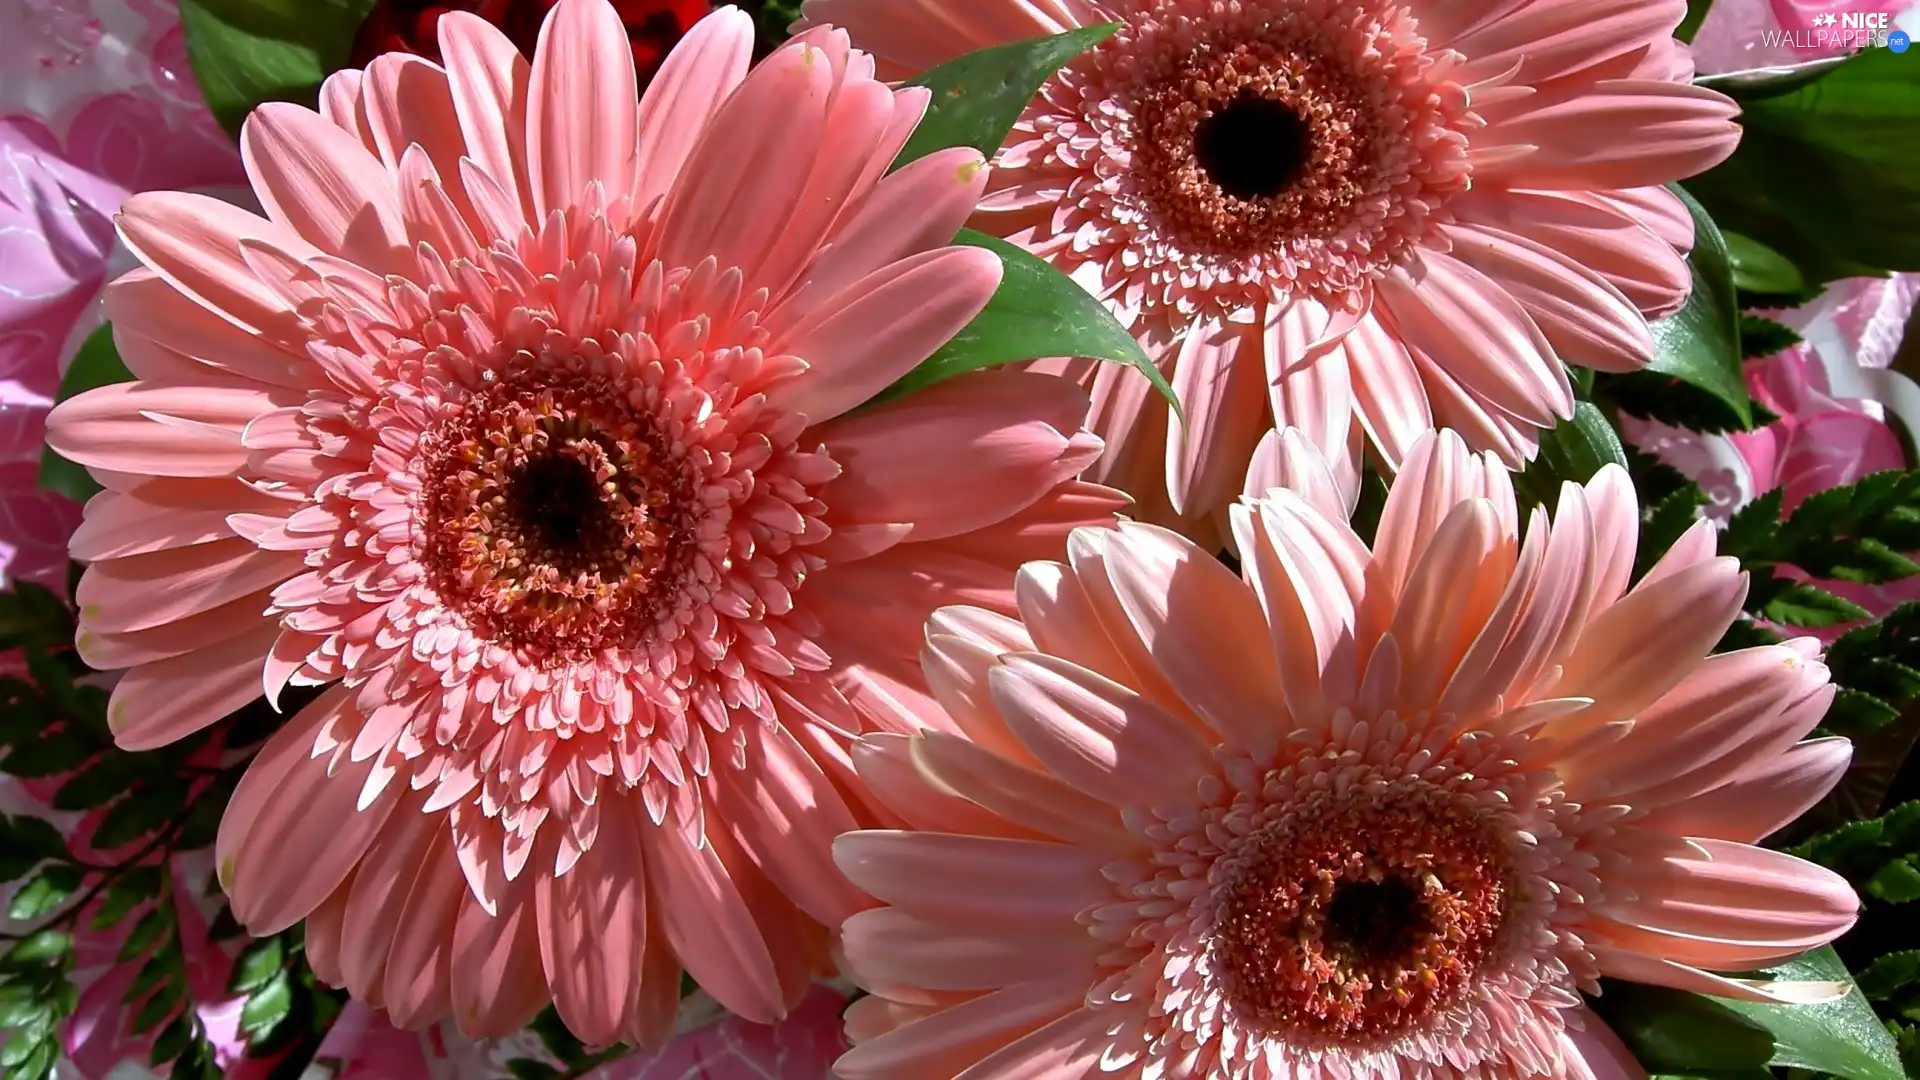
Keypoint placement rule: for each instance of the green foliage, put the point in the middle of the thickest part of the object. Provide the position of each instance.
(1764, 337)
(1696, 14)
(1676, 1032)
(244, 52)
(1036, 312)
(96, 364)
(1572, 452)
(1883, 850)
(1700, 344)
(978, 97)
(1759, 268)
(1816, 176)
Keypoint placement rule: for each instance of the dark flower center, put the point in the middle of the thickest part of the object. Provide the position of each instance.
(1253, 148)
(559, 520)
(1353, 916)
(1376, 921)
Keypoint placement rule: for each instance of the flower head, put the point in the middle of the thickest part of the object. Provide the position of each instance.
(522, 425)
(1362, 220)
(1368, 813)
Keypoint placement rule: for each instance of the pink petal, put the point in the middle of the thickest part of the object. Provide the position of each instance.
(949, 1041)
(1639, 648)
(1217, 380)
(974, 879)
(1033, 800)
(882, 327)
(591, 921)
(1763, 797)
(890, 945)
(194, 242)
(582, 121)
(696, 78)
(489, 82)
(1003, 436)
(705, 916)
(1586, 320)
(140, 592)
(323, 184)
(1611, 133)
(785, 812)
(158, 703)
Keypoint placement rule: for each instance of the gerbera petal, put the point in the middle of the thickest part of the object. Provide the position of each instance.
(700, 73)
(707, 920)
(582, 120)
(1216, 379)
(1004, 436)
(591, 922)
(1551, 41)
(490, 83)
(890, 944)
(498, 982)
(884, 325)
(947, 1042)
(1612, 133)
(1586, 320)
(324, 185)
(1761, 798)
(160, 702)
(968, 878)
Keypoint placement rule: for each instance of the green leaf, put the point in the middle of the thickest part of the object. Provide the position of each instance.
(1759, 268)
(1573, 451)
(1696, 14)
(244, 52)
(267, 1007)
(1841, 1038)
(1700, 343)
(159, 1007)
(1896, 883)
(1036, 312)
(1671, 1031)
(53, 753)
(531, 1069)
(1805, 605)
(45, 893)
(37, 948)
(131, 889)
(1650, 395)
(144, 933)
(31, 615)
(1854, 714)
(1764, 337)
(1809, 135)
(96, 364)
(97, 785)
(37, 835)
(1890, 973)
(257, 963)
(977, 97)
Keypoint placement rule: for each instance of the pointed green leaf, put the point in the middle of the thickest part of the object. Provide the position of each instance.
(1696, 14)
(977, 97)
(1037, 312)
(244, 52)
(1759, 268)
(1820, 174)
(1700, 343)
(45, 893)
(1573, 451)
(1841, 1038)
(1805, 605)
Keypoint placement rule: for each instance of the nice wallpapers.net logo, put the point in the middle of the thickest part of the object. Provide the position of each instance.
(1846, 30)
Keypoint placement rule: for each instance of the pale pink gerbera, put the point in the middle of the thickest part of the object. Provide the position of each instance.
(1342, 216)
(1370, 814)
(523, 422)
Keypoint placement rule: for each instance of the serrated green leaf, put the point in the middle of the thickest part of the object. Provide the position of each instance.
(157, 969)
(267, 1007)
(1751, 533)
(131, 889)
(45, 893)
(161, 1005)
(1896, 883)
(144, 810)
(37, 836)
(256, 964)
(1807, 606)
(1650, 395)
(42, 947)
(1744, 633)
(244, 52)
(977, 97)
(1890, 973)
(1764, 337)
(98, 784)
(1854, 714)
(1815, 131)
(52, 754)
(1700, 343)
(172, 1041)
(31, 615)
(1036, 312)
(96, 364)
(145, 933)
(1759, 268)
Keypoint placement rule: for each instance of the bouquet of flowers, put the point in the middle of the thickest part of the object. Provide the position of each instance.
(959, 539)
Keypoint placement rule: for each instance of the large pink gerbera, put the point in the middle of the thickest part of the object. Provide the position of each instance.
(1342, 216)
(522, 421)
(1367, 815)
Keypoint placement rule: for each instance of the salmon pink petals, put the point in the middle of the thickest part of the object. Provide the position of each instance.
(523, 421)
(1329, 264)
(1452, 731)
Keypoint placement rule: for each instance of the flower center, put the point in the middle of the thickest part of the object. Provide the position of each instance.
(1254, 148)
(1355, 915)
(558, 517)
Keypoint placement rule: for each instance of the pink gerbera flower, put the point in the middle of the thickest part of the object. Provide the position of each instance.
(522, 422)
(1368, 814)
(1340, 216)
